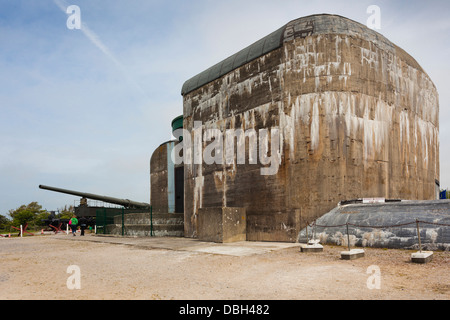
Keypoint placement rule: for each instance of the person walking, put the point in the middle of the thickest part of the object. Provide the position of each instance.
(83, 225)
(73, 224)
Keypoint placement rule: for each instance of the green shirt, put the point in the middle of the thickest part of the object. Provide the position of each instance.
(74, 221)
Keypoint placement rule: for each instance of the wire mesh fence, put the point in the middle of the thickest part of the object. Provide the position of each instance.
(315, 228)
(115, 221)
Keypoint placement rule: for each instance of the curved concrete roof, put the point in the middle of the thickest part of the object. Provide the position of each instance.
(389, 224)
(259, 48)
(299, 28)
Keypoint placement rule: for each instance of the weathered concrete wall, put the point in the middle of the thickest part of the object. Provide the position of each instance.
(162, 179)
(141, 225)
(222, 225)
(358, 118)
(159, 179)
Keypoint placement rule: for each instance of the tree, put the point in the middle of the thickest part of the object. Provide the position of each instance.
(31, 214)
(4, 222)
(66, 212)
(23, 217)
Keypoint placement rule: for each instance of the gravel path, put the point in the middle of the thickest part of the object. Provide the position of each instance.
(36, 268)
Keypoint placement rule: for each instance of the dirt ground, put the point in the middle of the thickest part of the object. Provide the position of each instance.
(126, 269)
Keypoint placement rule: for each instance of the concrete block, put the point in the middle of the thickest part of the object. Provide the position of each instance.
(352, 254)
(222, 224)
(311, 247)
(422, 257)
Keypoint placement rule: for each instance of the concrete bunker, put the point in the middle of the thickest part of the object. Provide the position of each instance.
(357, 117)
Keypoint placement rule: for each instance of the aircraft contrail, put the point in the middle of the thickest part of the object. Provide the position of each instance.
(100, 45)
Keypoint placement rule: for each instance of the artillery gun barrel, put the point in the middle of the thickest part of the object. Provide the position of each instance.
(123, 202)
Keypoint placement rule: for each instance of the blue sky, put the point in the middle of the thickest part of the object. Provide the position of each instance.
(85, 109)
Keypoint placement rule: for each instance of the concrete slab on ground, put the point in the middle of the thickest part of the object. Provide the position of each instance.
(352, 254)
(241, 248)
(316, 247)
(422, 257)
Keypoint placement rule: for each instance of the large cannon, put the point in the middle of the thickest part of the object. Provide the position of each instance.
(129, 204)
